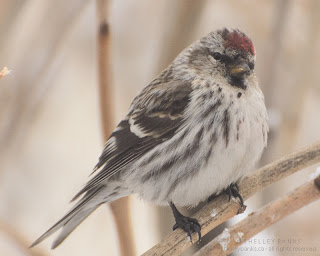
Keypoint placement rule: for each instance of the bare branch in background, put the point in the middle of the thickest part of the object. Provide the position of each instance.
(220, 210)
(104, 69)
(257, 221)
(120, 208)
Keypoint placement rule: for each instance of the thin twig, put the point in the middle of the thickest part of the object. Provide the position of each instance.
(104, 68)
(220, 210)
(233, 237)
(120, 208)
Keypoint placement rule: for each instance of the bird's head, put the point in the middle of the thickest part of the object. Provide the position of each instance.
(223, 55)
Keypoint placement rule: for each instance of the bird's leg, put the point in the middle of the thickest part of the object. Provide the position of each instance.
(232, 191)
(189, 225)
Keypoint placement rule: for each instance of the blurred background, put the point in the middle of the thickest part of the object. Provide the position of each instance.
(50, 134)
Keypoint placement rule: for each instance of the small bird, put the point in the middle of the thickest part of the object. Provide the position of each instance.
(192, 133)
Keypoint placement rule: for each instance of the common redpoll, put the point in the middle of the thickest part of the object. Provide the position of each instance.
(193, 132)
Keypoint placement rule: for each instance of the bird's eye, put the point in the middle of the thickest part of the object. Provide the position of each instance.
(251, 65)
(217, 56)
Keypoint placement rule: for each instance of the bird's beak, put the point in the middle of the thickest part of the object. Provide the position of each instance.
(239, 70)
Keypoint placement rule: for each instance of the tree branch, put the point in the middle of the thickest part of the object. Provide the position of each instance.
(233, 237)
(220, 210)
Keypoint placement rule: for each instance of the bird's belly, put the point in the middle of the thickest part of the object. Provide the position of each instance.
(188, 182)
(227, 164)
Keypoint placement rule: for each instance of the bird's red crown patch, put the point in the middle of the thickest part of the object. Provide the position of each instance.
(237, 40)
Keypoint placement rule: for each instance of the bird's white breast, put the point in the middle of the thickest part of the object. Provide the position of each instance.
(229, 161)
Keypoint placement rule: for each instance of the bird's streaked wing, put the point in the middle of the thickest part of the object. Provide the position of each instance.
(154, 117)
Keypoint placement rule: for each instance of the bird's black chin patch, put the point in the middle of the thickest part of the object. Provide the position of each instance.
(238, 82)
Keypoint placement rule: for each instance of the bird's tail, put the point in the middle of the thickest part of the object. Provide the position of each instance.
(74, 217)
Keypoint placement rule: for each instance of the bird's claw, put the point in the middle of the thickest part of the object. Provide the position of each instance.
(233, 191)
(189, 225)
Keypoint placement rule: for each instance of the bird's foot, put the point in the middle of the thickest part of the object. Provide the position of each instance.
(189, 225)
(233, 191)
